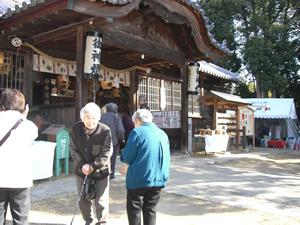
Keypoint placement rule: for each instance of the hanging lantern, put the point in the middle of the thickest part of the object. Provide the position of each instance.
(92, 55)
(62, 82)
(116, 92)
(106, 85)
(193, 78)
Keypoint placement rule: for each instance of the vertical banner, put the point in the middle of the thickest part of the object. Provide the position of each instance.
(193, 78)
(92, 55)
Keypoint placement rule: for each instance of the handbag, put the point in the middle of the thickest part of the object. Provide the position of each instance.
(90, 189)
(124, 169)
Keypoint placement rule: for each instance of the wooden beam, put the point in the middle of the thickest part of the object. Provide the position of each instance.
(101, 10)
(28, 71)
(115, 61)
(128, 41)
(48, 7)
(63, 31)
(184, 109)
(133, 91)
(81, 83)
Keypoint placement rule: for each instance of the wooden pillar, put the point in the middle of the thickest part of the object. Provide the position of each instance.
(28, 78)
(81, 83)
(133, 91)
(184, 108)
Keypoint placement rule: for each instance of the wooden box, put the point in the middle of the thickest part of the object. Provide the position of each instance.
(202, 131)
(220, 132)
(210, 132)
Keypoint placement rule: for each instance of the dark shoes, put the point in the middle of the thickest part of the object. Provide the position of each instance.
(112, 177)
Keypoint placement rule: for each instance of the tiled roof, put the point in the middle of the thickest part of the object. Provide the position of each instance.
(6, 4)
(10, 7)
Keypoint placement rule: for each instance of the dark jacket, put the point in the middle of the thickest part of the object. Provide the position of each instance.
(266, 129)
(115, 124)
(144, 106)
(95, 149)
(128, 126)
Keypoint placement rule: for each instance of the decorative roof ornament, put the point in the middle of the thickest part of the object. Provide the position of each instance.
(16, 42)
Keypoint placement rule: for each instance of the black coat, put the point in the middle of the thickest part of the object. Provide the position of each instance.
(266, 129)
(95, 149)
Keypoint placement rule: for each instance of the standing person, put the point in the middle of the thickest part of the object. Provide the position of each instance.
(277, 133)
(127, 124)
(148, 154)
(266, 132)
(114, 122)
(91, 149)
(142, 103)
(15, 157)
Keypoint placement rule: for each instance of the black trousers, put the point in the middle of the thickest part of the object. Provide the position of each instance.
(19, 201)
(142, 199)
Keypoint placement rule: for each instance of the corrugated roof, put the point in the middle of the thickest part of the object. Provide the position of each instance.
(230, 98)
(217, 71)
(224, 97)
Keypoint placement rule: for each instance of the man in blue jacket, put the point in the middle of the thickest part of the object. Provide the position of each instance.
(148, 154)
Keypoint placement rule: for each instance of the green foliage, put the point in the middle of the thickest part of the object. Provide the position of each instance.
(242, 89)
(265, 37)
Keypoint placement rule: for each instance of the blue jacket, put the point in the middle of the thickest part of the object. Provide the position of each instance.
(148, 154)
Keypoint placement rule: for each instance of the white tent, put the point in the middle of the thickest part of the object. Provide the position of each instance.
(281, 110)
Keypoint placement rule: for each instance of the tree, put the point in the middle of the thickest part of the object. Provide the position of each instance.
(242, 89)
(264, 35)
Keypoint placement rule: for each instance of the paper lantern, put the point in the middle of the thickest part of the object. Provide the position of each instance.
(116, 92)
(193, 78)
(106, 85)
(92, 55)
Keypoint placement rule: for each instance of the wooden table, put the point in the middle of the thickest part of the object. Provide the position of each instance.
(212, 143)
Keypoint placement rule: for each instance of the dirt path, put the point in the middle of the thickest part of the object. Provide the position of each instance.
(282, 163)
(177, 209)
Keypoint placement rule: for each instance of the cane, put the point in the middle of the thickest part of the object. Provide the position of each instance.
(79, 199)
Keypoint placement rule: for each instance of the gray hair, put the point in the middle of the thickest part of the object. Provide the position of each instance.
(142, 98)
(143, 115)
(112, 107)
(92, 108)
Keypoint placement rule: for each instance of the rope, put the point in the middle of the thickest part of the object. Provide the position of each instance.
(148, 70)
(47, 56)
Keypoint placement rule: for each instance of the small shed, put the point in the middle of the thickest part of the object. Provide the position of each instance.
(59, 134)
(222, 102)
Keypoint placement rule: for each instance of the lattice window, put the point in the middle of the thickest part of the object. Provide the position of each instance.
(168, 90)
(142, 91)
(154, 93)
(176, 96)
(12, 71)
(151, 87)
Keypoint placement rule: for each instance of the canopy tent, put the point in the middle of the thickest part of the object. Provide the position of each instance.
(281, 110)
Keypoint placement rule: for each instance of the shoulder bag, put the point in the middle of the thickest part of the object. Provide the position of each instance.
(8, 133)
